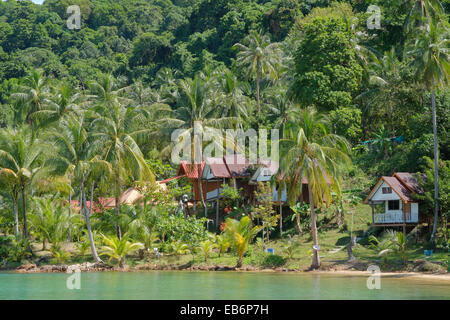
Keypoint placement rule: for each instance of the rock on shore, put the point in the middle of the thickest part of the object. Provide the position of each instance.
(82, 267)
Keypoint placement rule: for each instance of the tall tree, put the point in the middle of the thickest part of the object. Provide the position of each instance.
(60, 104)
(9, 180)
(197, 114)
(20, 152)
(311, 152)
(260, 57)
(114, 137)
(33, 94)
(431, 60)
(74, 158)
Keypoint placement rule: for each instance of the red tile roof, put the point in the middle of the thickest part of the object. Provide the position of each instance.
(237, 165)
(218, 167)
(190, 170)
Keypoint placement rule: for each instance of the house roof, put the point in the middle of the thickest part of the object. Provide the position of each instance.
(96, 205)
(404, 184)
(410, 180)
(190, 170)
(218, 167)
(237, 165)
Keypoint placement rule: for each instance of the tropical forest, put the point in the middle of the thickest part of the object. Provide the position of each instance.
(92, 91)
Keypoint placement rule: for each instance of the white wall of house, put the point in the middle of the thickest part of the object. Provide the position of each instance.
(378, 195)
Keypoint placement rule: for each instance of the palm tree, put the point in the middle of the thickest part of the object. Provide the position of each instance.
(260, 57)
(383, 74)
(240, 234)
(118, 249)
(64, 101)
(50, 221)
(198, 113)
(310, 151)
(382, 141)
(283, 109)
(235, 103)
(74, 158)
(10, 181)
(20, 153)
(114, 137)
(108, 91)
(431, 60)
(33, 95)
(422, 12)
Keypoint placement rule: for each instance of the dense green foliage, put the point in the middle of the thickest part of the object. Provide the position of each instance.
(88, 113)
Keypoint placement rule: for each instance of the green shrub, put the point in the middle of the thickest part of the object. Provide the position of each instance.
(12, 250)
(6, 243)
(272, 260)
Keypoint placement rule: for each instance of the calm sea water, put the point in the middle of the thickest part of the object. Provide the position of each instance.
(214, 285)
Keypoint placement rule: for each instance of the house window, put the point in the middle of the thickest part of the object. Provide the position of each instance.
(393, 205)
(386, 190)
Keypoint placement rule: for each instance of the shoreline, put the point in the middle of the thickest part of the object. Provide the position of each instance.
(91, 267)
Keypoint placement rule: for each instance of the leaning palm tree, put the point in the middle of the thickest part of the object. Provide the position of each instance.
(260, 57)
(311, 152)
(114, 137)
(431, 59)
(20, 153)
(74, 158)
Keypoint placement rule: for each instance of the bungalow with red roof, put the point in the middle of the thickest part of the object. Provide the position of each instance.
(392, 196)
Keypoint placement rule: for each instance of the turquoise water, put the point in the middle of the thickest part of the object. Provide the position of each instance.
(215, 285)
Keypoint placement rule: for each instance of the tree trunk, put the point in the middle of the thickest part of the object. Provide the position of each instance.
(239, 263)
(281, 218)
(69, 237)
(257, 92)
(92, 197)
(436, 177)
(200, 187)
(88, 224)
(117, 209)
(24, 208)
(299, 226)
(118, 231)
(316, 259)
(351, 257)
(16, 217)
